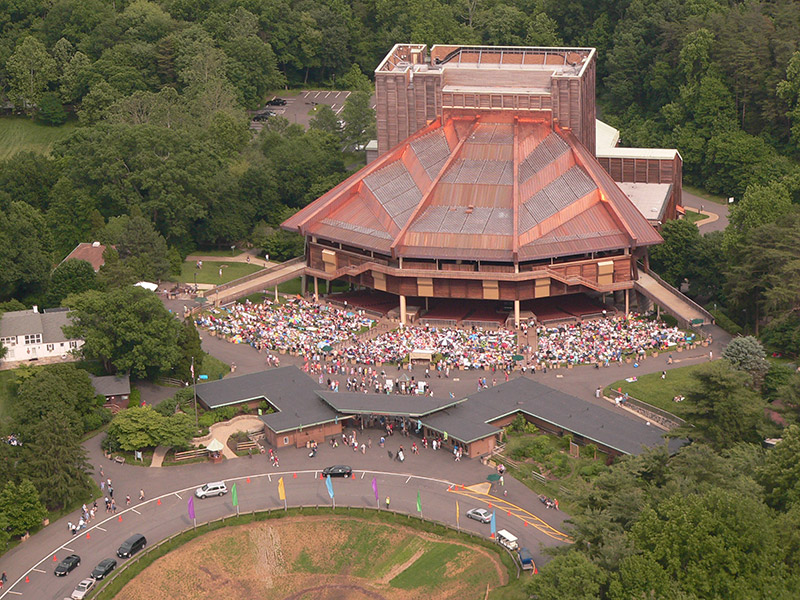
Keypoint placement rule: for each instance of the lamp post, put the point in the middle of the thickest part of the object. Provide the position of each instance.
(232, 249)
(195, 282)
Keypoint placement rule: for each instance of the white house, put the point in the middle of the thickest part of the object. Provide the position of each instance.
(32, 335)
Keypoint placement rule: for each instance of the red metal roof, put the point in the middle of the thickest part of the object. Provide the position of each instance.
(91, 253)
(491, 186)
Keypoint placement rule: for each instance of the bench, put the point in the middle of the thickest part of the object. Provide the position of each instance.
(199, 452)
(119, 460)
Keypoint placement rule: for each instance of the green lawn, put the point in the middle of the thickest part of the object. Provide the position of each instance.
(6, 393)
(660, 392)
(694, 217)
(225, 253)
(20, 134)
(704, 194)
(210, 272)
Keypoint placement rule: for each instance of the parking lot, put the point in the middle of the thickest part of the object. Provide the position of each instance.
(298, 108)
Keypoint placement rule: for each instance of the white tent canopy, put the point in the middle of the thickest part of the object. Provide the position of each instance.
(215, 445)
(147, 285)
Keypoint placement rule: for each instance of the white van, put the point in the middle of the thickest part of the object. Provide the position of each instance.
(509, 540)
(216, 488)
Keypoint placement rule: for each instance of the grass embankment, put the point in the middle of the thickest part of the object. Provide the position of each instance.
(693, 217)
(361, 553)
(7, 393)
(211, 269)
(704, 194)
(293, 286)
(21, 134)
(660, 392)
(221, 253)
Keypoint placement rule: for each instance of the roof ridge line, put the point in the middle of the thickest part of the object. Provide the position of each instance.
(426, 194)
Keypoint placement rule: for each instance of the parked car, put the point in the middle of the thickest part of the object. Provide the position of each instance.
(82, 589)
(480, 514)
(261, 117)
(103, 568)
(132, 545)
(337, 471)
(67, 565)
(216, 488)
(277, 102)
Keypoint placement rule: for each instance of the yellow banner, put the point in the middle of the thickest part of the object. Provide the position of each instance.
(281, 489)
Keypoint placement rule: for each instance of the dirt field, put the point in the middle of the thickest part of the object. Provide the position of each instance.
(313, 558)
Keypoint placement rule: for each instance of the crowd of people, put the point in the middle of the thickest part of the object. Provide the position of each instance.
(328, 338)
(605, 340)
(295, 325)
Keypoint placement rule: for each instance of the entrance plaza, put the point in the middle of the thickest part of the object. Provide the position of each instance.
(305, 412)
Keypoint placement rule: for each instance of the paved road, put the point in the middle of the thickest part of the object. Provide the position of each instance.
(164, 512)
(721, 210)
(431, 473)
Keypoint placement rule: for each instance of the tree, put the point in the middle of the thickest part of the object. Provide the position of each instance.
(70, 277)
(26, 249)
(62, 388)
(30, 69)
(51, 111)
(326, 120)
(139, 246)
(674, 259)
(359, 119)
(355, 81)
(747, 354)
(128, 329)
(569, 576)
(56, 463)
(142, 427)
(190, 349)
(722, 408)
(760, 205)
(780, 475)
(21, 507)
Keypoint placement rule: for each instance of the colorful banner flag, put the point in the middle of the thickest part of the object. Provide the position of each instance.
(419, 502)
(457, 511)
(191, 507)
(234, 496)
(330, 486)
(281, 489)
(493, 525)
(375, 488)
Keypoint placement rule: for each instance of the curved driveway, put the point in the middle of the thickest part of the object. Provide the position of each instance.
(430, 472)
(164, 514)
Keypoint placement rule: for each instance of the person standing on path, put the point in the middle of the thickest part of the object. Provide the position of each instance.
(387, 502)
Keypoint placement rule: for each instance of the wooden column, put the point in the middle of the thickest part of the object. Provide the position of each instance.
(303, 284)
(516, 314)
(627, 302)
(402, 310)
(316, 289)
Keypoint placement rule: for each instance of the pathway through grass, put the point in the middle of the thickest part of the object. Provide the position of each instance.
(21, 134)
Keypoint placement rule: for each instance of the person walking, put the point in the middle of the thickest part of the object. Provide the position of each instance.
(141, 495)
(387, 502)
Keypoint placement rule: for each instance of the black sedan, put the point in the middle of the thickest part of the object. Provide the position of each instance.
(67, 565)
(337, 471)
(277, 102)
(103, 568)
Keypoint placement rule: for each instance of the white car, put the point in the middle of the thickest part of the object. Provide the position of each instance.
(216, 488)
(480, 514)
(82, 589)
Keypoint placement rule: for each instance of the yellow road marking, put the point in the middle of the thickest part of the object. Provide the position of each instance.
(480, 493)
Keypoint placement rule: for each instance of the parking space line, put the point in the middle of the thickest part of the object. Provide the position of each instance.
(329, 93)
(15, 593)
(38, 570)
(409, 479)
(362, 474)
(340, 109)
(346, 94)
(136, 511)
(317, 94)
(179, 496)
(100, 528)
(269, 477)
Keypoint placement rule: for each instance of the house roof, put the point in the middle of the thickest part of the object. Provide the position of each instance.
(288, 389)
(112, 385)
(492, 186)
(607, 426)
(382, 404)
(91, 253)
(30, 322)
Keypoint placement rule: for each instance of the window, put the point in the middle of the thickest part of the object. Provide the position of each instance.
(50, 347)
(35, 338)
(286, 441)
(73, 344)
(9, 341)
